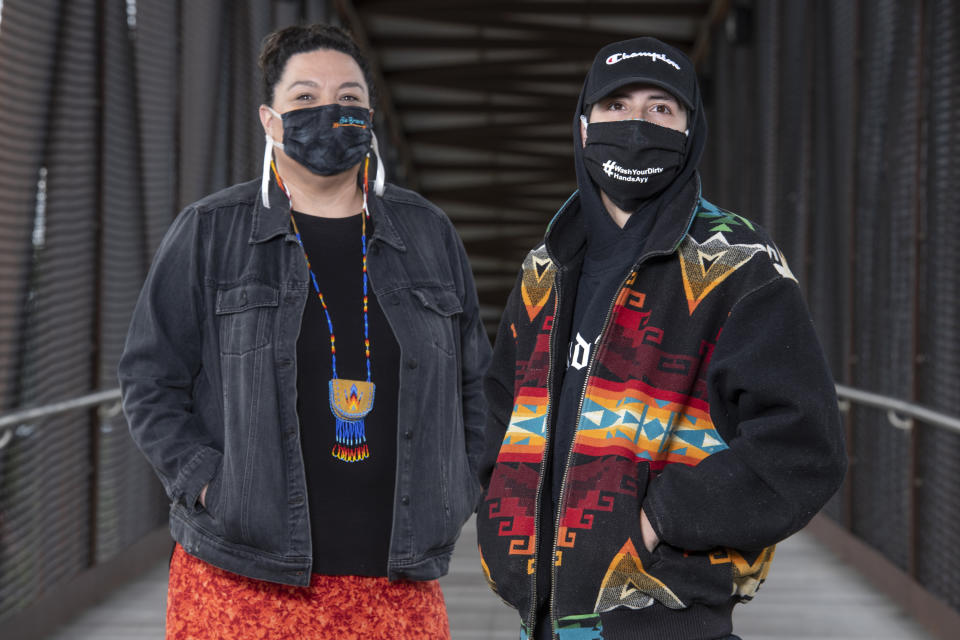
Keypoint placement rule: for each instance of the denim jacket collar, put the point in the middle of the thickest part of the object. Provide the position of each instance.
(383, 227)
(275, 220)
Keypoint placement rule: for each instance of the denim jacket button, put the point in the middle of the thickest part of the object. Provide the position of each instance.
(405, 499)
(412, 363)
(408, 435)
(296, 501)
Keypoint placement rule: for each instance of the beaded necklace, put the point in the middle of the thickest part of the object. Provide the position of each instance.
(350, 400)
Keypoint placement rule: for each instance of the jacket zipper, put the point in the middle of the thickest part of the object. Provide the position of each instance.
(583, 393)
(566, 467)
(532, 619)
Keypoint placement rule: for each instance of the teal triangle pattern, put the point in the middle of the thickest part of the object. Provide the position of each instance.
(609, 419)
(653, 429)
(691, 436)
(533, 425)
(707, 440)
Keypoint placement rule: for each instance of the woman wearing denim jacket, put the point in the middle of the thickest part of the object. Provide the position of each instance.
(303, 372)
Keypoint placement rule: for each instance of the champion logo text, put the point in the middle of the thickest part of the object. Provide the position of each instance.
(654, 56)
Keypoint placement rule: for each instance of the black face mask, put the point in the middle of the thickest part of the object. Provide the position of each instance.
(633, 160)
(328, 139)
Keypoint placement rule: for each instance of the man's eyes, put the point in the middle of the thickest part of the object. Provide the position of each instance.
(656, 108)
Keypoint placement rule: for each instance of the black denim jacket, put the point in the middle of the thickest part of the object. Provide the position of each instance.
(209, 381)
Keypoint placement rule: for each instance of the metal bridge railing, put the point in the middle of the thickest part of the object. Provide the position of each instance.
(9, 421)
(897, 408)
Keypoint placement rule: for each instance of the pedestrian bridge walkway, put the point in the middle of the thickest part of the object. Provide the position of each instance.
(810, 593)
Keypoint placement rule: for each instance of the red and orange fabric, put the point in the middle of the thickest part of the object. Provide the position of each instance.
(207, 603)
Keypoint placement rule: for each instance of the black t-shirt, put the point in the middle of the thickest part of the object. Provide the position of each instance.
(351, 503)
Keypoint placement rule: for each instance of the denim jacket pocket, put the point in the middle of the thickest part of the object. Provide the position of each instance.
(444, 303)
(244, 312)
(213, 498)
(211, 515)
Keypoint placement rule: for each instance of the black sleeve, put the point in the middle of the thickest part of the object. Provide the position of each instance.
(774, 399)
(498, 385)
(474, 357)
(161, 361)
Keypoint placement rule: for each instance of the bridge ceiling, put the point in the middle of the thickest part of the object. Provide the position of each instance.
(478, 97)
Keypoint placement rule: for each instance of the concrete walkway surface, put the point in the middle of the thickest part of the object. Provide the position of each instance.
(809, 593)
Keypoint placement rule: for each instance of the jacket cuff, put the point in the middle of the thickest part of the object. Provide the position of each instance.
(197, 473)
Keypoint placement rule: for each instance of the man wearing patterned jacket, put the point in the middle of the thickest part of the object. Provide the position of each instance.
(661, 414)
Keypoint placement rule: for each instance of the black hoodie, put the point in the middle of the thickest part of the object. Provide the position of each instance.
(609, 252)
(708, 405)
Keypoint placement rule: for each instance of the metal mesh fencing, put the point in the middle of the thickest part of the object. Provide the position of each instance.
(47, 468)
(855, 173)
(114, 115)
(938, 363)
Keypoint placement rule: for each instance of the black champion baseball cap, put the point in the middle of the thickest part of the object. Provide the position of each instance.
(646, 60)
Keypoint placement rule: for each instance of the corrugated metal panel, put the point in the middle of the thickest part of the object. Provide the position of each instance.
(791, 216)
(768, 79)
(938, 523)
(156, 51)
(25, 35)
(46, 512)
(886, 257)
(834, 117)
(202, 117)
(244, 139)
(128, 501)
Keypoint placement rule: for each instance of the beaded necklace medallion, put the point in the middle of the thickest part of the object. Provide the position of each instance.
(350, 400)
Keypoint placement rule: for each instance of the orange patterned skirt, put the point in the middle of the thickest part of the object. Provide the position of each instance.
(207, 603)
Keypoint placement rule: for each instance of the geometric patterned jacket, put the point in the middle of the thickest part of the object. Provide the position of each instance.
(707, 402)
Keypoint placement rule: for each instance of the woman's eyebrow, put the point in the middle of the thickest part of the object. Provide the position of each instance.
(308, 83)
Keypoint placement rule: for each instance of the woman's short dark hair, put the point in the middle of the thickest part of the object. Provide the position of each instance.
(281, 45)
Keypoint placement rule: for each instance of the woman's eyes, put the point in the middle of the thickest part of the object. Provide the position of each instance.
(309, 97)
